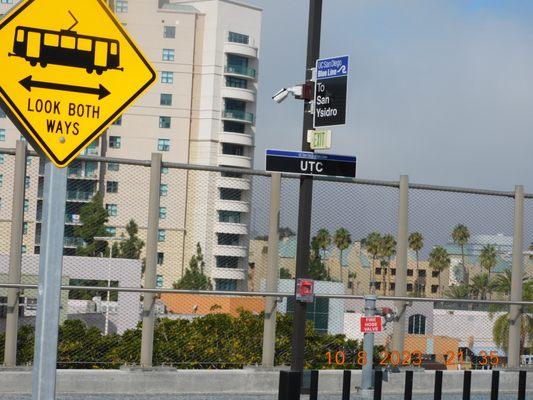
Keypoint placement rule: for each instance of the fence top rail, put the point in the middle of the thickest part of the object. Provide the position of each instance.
(269, 294)
(211, 168)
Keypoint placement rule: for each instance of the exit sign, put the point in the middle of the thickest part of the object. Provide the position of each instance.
(319, 139)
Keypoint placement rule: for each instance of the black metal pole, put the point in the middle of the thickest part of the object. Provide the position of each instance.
(306, 195)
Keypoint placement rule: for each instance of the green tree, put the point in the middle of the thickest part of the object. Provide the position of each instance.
(488, 258)
(342, 240)
(461, 291)
(388, 250)
(372, 244)
(500, 329)
(93, 217)
(194, 277)
(439, 260)
(461, 236)
(480, 286)
(323, 239)
(317, 269)
(284, 273)
(416, 243)
(352, 276)
(131, 248)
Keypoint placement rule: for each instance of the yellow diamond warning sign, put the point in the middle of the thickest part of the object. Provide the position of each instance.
(69, 69)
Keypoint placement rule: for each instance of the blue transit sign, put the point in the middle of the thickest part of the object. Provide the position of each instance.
(330, 91)
(308, 163)
(335, 67)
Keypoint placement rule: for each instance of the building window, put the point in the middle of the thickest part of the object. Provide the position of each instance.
(393, 271)
(167, 77)
(317, 312)
(417, 325)
(163, 144)
(162, 212)
(168, 54)
(229, 216)
(111, 231)
(231, 81)
(28, 161)
(422, 273)
(24, 249)
(238, 38)
(163, 191)
(226, 284)
(2, 135)
(113, 166)
(409, 287)
(160, 258)
(228, 239)
(165, 99)
(227, 262)
(435, 273)
(112, 210)
(159, 281)
(1, 158)
(434, 288)
(2, 113)
(6, 1)
(230, 194)
(409, 272)
(121, 6)
(378, 271)
(25, 228)
(26, 205)
(392, 286)
(161, 235)
(1, 179)
(378, 285)
(169, 32)
(225, 174)
(114, 142)
(118, 121)
(234, 127)
(164, 122)
(164, 170)
(27, 182)
(112, 187)
(235, 105)
(232, 149)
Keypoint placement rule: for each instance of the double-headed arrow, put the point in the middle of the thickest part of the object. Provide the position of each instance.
(28, 83)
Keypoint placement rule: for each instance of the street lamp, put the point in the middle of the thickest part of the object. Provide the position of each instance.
(110, 240)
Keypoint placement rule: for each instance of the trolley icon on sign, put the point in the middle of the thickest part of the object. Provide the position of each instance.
(66, 47)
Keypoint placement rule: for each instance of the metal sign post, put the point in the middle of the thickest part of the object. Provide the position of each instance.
(49, 289)
(368, 346)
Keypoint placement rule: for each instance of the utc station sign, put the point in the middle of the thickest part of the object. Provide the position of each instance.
(330, 91)
(69, 70)
(308, 163)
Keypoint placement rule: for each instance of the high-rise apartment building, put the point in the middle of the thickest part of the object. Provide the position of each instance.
(202, 110)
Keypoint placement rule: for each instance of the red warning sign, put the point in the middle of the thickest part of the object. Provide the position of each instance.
(371, 324)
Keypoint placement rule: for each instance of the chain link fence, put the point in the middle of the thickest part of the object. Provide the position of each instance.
(213, 266)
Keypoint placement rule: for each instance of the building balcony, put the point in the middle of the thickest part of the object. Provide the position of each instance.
(229, 227)
(79, 173)
(238, 116)
(233, 183)
(67, 241)
(238, 94)
(236, 138)
(228, 273)
(79, 195)
(241, 49)
(231, 160)
(232, 205)
(231, 251)
(70, 219)
(240, 71)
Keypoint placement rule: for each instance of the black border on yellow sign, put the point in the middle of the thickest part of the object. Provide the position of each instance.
(16, 115)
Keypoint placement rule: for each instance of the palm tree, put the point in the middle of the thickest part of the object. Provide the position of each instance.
(488, 259)
(323, 239)
(416, 243)
(460, 236)
(500, 329)
(351, 278)
(372, 244)
(480, 286)
(388, 250)
(439, 260)
(461, 291)
(342, 240)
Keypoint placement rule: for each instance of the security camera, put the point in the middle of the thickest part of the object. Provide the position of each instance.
(280, 95)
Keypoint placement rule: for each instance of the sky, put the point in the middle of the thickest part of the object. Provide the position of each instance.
(439, 90)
